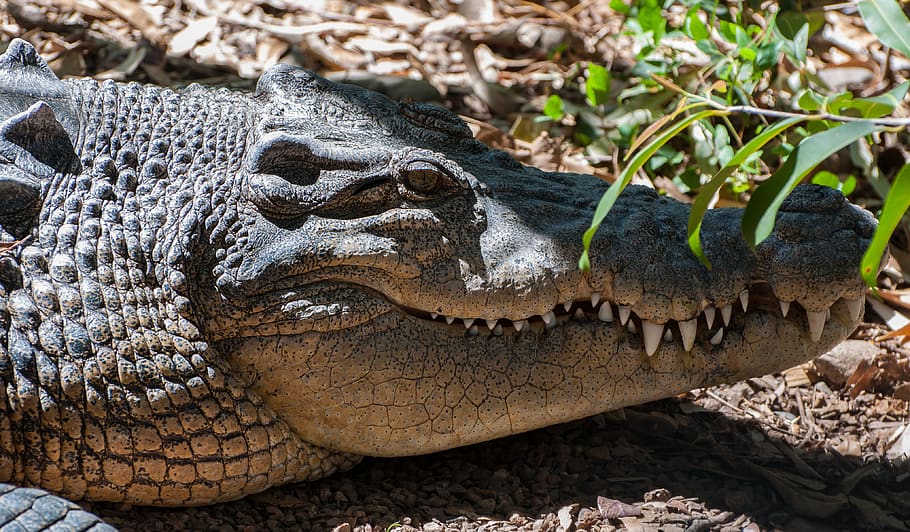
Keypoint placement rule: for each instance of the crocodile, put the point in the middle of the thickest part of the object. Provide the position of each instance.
(205, 293)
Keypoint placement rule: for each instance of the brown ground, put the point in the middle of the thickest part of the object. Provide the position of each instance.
(808, 450)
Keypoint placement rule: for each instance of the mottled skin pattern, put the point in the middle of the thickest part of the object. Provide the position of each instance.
(219, 292)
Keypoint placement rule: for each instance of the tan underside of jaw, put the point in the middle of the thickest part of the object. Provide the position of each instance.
(404, 385)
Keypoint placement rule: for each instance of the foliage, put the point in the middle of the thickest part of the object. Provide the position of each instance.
(722, 117)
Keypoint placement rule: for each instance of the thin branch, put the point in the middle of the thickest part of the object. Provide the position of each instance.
(889, 122)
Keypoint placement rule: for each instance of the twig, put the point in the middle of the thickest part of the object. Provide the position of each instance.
(761, 420)
(9, 247)
(772, 113)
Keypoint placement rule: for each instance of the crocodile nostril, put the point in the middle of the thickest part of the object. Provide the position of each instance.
(295, 172)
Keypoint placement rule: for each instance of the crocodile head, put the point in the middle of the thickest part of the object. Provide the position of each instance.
(394, 287)
(384, 282)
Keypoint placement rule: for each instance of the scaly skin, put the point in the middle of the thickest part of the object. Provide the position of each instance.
(222, 292)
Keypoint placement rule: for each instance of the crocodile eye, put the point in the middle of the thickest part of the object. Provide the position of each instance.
(423, 181)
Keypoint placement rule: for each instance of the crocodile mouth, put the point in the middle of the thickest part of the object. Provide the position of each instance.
(709, 326)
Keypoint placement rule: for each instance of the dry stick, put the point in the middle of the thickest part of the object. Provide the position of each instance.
(804, 416)
(9, 247)
(748, 109)
(760, 420)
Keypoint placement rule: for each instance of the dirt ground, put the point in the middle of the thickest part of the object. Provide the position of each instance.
(819, 447)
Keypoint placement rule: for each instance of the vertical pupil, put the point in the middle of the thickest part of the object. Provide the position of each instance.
(423, 180)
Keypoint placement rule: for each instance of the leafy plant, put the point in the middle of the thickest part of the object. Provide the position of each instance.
(720, 115)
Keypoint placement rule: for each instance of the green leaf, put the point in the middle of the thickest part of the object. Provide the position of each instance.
(728, 31)
(810, 101)
(768, 55)
(827, 179)
(896, 204)
(797, 46)
(620, 7)
(748, 54)
(758, 218)
(879, 106)
(849, 185)
(700, 206)
(554, 108)
(597, 86)
(651, 18)
(863, 109)
(742, 37)
(789, 23)
(886, 20)
(635, 163)
(694, 27)
(834, 103)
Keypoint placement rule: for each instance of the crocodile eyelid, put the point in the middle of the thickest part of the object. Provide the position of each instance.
(435, 118)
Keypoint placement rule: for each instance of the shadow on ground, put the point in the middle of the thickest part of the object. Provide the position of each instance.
(695, 471)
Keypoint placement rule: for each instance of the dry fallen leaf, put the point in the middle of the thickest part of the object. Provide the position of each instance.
(613, 509)
(195, 32)
(406, 16)
(862, 378)
(136, 15)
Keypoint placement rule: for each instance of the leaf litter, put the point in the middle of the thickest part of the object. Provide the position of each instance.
(821, 446)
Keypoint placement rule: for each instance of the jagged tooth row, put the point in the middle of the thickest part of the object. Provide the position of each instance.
(653, 333)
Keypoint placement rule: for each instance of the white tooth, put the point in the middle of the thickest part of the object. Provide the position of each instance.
(595, 299)
(709, 316)
(631, 327)
(718, 337)
(652, 332)
(784, 307)
(816, 324)
(668, 335)
(579, 314)
(725, 312)
(624, 313)
(472, 330)
(491, 324)
(744, 300)
(433, 315)
(497, 331)
(567, 305)
(468, 322)
(687, 330)
(855, 306)
(450, 319)
(605, 313)
(520, 325)
(549, 319)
